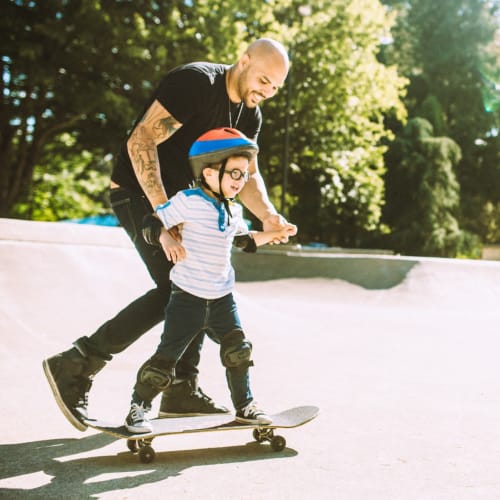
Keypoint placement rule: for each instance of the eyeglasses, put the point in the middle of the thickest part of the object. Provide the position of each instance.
(237, 174)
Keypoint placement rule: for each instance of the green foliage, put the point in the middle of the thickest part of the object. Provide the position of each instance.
(423, 194)
(86, 68)
(66, 185)
(75, 74)
(339, 93)
(447, 49)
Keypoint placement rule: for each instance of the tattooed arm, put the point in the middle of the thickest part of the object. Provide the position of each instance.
(156, 126)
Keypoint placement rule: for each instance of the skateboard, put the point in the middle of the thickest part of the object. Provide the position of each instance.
(141, 443)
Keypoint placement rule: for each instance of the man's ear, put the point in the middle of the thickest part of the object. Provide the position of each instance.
(244, 61)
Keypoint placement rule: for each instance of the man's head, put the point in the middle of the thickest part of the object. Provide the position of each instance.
(259, 72)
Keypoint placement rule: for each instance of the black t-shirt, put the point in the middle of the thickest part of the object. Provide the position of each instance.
(194, 94)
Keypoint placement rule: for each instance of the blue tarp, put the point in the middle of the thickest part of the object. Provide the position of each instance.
(97, 220)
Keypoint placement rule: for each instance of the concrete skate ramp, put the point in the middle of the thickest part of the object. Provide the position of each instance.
(400, 354)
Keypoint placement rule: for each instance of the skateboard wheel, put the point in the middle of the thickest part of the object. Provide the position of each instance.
(257, 435)
(132, 445)
(146, 454)
(278, 443)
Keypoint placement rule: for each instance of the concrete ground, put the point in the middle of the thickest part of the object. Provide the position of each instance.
(401, 355)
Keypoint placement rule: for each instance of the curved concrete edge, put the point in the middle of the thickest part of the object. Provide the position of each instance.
(368, 270)
(62, 232)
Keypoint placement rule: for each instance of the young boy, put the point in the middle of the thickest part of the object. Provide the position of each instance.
(203, 278)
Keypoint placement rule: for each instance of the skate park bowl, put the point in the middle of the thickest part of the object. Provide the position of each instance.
(399, 353)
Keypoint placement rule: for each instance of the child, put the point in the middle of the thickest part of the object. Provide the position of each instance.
(203, 278)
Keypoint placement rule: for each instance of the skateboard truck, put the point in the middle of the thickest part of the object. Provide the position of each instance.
(147, 454)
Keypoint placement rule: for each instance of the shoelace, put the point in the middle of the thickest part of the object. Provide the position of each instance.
(81, 393)
(199, 393)
(251, 408)
(137, 412)
(83, 401)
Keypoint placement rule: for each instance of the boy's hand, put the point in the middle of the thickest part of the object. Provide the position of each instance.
(284, 233)
(278, 223)
(172, 247)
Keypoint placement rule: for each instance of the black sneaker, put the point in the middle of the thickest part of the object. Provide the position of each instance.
(70, 377)
(250, 414)
(137, 421)
(186, 399)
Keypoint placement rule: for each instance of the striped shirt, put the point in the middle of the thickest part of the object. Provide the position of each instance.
(207, 236)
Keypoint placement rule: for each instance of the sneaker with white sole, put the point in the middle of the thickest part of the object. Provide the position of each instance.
(251, 414)
(136, 420)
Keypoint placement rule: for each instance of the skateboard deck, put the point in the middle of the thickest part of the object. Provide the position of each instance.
(141, 443)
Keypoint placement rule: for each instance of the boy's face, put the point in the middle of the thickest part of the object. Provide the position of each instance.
(234, 178)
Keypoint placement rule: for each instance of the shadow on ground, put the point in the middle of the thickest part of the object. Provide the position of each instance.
(79, 477)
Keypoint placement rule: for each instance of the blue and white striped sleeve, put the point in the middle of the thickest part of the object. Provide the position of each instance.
(173, 211)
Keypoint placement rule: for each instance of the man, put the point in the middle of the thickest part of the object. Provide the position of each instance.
(151, 167)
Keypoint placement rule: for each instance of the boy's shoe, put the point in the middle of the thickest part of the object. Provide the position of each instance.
(137, 420)
(250, 414)
(186, 399)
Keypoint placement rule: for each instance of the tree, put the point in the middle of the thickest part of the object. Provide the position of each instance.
(339, 93)
(91, 87)
(85, 67)
(447, 51)
(67, 185)
(423, 194)
(51, 64)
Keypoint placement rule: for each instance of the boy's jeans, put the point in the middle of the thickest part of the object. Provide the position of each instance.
(187, 316)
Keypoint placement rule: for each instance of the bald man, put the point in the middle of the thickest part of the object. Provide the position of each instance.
(152, 166)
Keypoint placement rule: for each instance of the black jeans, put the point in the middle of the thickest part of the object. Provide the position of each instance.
(148, 310)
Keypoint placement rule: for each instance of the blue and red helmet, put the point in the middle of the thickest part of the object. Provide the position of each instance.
(218, 144)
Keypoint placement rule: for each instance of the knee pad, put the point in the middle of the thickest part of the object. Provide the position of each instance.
(156, 373)
(235, 350)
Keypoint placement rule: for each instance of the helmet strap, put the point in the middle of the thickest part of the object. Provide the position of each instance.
(220, 195)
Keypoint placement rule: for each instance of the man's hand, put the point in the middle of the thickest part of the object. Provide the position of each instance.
(277, 222)
(172, 247)
(175, 232)
(151, 228)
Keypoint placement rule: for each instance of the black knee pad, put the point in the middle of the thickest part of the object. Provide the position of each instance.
(157, 372)
(236, 350)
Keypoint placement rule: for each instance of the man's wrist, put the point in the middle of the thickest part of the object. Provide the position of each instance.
(158, 201)
(269, 213)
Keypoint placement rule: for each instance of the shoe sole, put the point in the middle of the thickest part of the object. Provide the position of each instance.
(165, 414)
(137, 430)
(252, 422)
(57, 396)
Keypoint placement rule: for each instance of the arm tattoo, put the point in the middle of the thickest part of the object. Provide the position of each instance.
(142, 146)
(144, 157)
(165, 127)
(143, 151)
